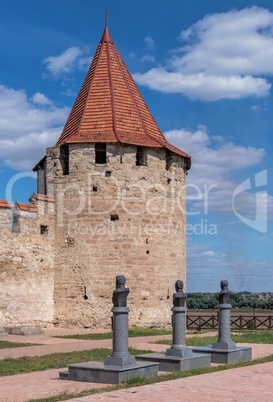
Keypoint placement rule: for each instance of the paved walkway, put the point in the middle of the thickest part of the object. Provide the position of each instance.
(244, 384)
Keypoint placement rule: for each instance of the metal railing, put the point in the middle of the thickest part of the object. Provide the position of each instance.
(203, 321)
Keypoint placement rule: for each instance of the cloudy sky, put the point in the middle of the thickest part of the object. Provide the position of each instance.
(205, 70)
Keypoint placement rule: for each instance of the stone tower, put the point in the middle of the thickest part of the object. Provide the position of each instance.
(119, 191)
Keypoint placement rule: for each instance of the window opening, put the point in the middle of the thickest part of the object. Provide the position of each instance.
(141, 159)
(65, 159)
(15, 224)
(100, 152)
(168, 159)
(43, 229)
(41, 178)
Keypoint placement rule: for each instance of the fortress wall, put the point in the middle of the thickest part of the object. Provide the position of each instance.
(26, 267)
(117, 218)
(58, 262)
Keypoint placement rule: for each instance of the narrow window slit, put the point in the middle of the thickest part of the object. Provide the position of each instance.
(64, 154)
(43, 229)
(168, 159)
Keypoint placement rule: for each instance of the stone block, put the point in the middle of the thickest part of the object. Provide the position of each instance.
(224, 356)
(174, 363)
(96, 371)
(24, 330)
(2, 332)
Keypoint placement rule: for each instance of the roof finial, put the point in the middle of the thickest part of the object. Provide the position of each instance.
(106, 18)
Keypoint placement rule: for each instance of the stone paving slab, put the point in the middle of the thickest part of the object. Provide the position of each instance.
(41, 384)
(248, 384)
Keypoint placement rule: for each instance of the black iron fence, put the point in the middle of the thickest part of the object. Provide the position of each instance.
(205, 321)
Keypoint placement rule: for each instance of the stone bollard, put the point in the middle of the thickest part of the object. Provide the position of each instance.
(224, 340)
(179, 347)
(120, 355)
(224, 350)
(120, 366)
(178, 357)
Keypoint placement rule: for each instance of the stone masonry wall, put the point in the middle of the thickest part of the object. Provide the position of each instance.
(116, 218)
(26, 266)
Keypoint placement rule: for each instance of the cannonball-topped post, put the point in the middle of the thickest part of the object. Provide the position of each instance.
(179, 347)
(120, 355)
(224, 340)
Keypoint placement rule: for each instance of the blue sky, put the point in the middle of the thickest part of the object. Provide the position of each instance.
(205, 70)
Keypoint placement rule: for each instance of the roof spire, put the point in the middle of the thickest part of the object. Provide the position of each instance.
(106, 18)
(110, 108)
(106, 35)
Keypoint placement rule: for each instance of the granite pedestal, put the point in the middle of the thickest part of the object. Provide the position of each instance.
(178, 357)
(174, 363)
(224, 350)
(234, 355)
(97, 371)
(120, 366)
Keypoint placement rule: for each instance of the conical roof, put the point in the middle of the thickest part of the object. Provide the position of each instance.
(109, 107)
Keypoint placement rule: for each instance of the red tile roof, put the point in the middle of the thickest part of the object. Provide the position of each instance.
(109, 107)
(41, 197)
(5, 204)
(26, 207)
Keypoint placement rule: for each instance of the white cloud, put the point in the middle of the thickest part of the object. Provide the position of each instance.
(236, 42)
(84, 63)
(67, 62)
(224, 56)
(214, 162)
(208, 253)
(149, 58)
(202, 86)
(41, 99)
(242, 276)
(149, 43)
(27, 127)
(150, 46)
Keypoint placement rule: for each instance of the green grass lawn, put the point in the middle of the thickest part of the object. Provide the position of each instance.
(265, 337)
(28, 364)
(7, 344)
(108, 335)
